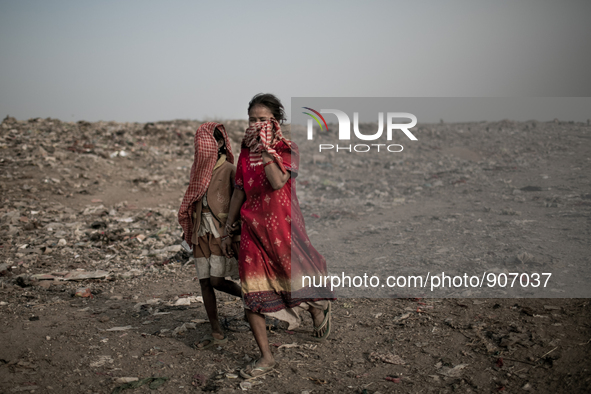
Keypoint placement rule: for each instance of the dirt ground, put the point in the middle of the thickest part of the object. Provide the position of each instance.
(95, 288)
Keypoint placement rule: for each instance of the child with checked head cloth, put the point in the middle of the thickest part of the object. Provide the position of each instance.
(203, 215)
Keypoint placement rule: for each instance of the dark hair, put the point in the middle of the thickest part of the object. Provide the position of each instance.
(217, 134)
(270, 101)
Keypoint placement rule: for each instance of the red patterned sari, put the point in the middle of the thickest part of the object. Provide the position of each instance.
(275, 251)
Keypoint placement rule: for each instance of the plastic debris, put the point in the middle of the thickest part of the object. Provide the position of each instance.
(125, 380)
(153, 384)
(81, 275)
(124, 328)
(183, 328)
(102, 360)
(182, 301)
(83, 292)
(388, 358)
(452, 372)
(289, 346)
(402, 317)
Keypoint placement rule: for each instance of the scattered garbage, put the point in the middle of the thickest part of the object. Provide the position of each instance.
(402, 317)
(288, 346)
(318, 381)
(183, 328)
(125, 380)
(153, 383)
(124, 328)
(49, 240)
(452, 372)
(83, 292)
(388, 358)
(54, 228)
(182, 301)
(80, 275)
(102, 360)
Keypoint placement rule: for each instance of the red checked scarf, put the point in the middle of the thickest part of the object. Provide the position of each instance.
(270, 135)
(206, 155)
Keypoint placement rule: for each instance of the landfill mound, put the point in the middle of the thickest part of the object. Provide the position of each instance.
(96, 294)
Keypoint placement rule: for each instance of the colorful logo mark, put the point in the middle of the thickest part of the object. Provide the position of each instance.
(315, 118)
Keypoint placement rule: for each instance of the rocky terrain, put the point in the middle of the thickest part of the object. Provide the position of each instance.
(96, 295)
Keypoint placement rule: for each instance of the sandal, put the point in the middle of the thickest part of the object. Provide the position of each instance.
(212, 342)
(254, 369)
(322, 332)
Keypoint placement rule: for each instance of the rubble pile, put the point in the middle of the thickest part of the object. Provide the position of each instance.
(53, 222)
(104, 195)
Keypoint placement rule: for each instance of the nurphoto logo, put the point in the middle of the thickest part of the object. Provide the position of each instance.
(345, 130)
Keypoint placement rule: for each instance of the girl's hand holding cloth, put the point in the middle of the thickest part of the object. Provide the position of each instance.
(264, 137)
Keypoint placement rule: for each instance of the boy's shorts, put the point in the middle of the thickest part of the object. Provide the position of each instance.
(209, 259)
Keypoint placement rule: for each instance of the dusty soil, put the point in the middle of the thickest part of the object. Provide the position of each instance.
(73, 203)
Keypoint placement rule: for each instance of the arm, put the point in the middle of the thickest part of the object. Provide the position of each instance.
(238, 197)
(276, 178)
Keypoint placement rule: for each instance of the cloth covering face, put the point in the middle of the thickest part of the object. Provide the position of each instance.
(264, 137)
(206, 156)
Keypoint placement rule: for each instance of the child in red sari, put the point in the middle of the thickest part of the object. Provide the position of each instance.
(273, 234)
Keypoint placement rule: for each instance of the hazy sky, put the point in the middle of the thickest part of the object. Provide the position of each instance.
(159, 60)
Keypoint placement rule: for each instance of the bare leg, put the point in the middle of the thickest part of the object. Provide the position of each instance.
(226, 286)
(211, 308)
(259, 329)
(229, 287)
